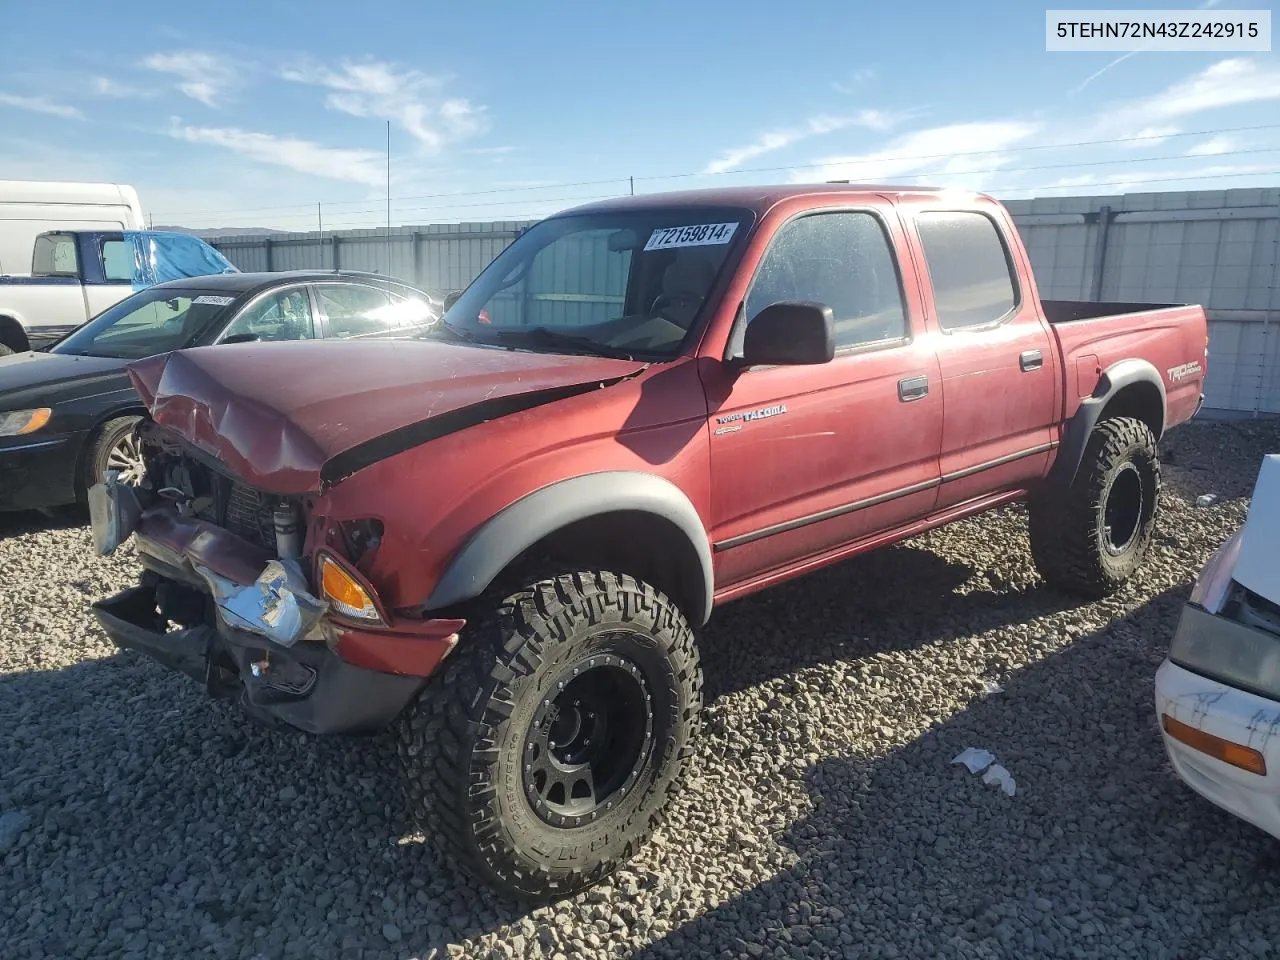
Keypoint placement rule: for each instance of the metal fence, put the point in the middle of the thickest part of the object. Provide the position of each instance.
(1220, 248)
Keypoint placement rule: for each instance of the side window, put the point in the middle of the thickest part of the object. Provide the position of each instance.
(354, 310)
(117, 260)
(54, 255)
(842, 260)
(968, 267)
(285, 315)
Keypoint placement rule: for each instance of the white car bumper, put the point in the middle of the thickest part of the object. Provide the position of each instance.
(1231, 715)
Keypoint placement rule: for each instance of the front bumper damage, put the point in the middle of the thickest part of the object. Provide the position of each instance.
(245, 624)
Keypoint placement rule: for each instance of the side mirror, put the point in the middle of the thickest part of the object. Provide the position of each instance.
(241, 338)
(451, 298)
(790, 333)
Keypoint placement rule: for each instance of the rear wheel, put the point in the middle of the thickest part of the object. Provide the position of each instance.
(546, 750)
(1090, 538)
(116, 447)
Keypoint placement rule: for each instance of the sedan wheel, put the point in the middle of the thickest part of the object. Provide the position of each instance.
(125, 457)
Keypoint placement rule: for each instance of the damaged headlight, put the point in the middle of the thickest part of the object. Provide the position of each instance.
(114, 512)
(1214, 582)
(277, 605)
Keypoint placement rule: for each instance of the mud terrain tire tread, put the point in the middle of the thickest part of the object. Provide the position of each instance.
(1065, 526)
(450, 739)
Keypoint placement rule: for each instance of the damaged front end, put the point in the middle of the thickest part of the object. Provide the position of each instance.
(234, 596)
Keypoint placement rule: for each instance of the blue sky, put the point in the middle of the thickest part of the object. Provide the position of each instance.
(236, 114)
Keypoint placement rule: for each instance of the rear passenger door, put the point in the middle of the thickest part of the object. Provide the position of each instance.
(808, 458)
(999, 383)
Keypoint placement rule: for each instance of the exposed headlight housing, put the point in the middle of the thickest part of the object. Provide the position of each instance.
(15, 423)
(1214, 582)
(347, 595)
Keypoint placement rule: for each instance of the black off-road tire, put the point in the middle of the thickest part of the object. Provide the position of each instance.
(1081, 539)
(108, 438)
(464, 742)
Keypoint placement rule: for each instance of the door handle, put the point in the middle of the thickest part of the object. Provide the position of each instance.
(912, 388)
(1030, 360)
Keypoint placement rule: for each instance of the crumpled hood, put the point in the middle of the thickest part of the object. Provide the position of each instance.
(288, 418)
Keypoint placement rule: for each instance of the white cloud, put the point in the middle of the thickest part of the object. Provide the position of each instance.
(304, 156)
(941, 151)
(859, 78)
(1227, 83)
(1212, 147)
(40, 105)
(407, 97)
(106, 87)
(204, 77)
(1150, 136)
(815, 126)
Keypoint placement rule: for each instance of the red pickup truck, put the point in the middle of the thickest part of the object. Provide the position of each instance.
(502, 537)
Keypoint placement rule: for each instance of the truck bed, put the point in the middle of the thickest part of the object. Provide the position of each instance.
(1068, 311)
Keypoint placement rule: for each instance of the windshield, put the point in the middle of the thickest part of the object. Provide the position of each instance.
(621, 282)
(150, 322)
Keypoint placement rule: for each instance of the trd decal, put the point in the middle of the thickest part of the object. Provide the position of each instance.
(1182, 371)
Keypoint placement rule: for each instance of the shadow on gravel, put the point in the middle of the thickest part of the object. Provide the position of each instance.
(896, 597)
(1101, 852)
(34, 521)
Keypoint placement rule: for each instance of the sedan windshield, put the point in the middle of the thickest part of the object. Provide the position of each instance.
(618, 283)
(149, 322)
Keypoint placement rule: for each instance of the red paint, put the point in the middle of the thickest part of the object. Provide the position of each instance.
(413, 649)
(275, 412)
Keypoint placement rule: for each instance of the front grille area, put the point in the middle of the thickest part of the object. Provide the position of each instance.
(249, 516)
(225, 502)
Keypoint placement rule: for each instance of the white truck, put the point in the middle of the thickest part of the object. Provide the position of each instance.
(70, 250)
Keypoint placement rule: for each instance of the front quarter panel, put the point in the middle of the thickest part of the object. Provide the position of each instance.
(433, 498)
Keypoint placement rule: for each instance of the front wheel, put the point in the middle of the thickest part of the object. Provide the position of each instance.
(115, 447)
(546, 750)
(1092, 537)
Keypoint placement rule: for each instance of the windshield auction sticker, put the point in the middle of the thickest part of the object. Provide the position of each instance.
(695, 235)
(215, 301)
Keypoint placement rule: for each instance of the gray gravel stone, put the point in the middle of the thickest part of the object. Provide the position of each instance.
(822, 819)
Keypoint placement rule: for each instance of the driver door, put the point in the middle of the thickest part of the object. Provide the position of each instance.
(806, 459)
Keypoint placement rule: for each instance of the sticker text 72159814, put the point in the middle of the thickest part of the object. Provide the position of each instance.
(694, 235)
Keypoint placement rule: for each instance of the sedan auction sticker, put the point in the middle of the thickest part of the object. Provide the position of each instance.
(215, 301)
(694, 235)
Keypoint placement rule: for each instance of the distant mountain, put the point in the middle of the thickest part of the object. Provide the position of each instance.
(225, 231)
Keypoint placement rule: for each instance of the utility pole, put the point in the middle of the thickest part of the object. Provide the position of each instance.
(633, 186)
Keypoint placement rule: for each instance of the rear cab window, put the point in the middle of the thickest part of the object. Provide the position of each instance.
(969, 268)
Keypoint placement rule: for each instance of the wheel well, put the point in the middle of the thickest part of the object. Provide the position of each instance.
(1140, 400)
(644, 545)
(91, 438)
(12, 335)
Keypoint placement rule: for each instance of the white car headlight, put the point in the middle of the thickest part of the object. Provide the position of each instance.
(14, 423)
(1214, 582)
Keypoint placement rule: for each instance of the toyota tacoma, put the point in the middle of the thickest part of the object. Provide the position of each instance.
(500, 538)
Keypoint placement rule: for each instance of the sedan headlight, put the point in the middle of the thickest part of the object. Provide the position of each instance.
(1214, 581)
(14, 423)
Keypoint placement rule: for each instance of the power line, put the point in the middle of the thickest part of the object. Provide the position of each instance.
(779, 169)
(351, 217)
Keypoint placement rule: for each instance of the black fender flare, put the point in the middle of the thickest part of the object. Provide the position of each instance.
(541, 513)
(1114, 379)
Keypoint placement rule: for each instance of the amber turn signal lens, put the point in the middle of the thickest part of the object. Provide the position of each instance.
(1246, 758)
(345, 593)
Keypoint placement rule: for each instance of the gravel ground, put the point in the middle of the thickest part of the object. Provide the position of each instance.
(824, 817)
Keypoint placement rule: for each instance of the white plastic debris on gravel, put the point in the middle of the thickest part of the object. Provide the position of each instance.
(823, 817)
